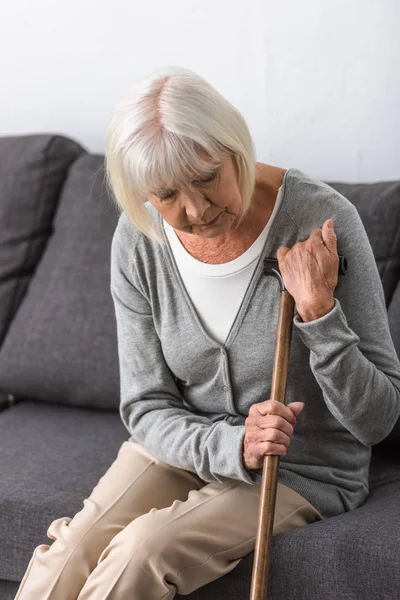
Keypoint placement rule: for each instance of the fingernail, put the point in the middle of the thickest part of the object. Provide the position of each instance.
(287, 450)
(293, 421)
(330, 223)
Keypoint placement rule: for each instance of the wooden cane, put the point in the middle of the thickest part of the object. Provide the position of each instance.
(269, 481)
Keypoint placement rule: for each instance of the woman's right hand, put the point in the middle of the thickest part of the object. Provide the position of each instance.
(268, 428)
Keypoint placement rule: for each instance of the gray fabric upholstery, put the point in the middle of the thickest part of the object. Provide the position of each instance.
(51, 458)
(62, 346)
(379, 207)
(394, 318)
(32, 172)
(60, 357)
(43, 477)
(8, 589)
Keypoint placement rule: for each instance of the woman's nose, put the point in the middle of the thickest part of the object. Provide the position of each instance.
(196, 204)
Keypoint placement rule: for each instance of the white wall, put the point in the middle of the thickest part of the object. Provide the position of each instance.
(318, 81)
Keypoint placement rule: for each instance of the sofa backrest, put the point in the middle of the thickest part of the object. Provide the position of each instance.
(378, 205)
(60, 344)
(32, 173)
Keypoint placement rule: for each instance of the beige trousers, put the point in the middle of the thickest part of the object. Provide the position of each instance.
(149, 530)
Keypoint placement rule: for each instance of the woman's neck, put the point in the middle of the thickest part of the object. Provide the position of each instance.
(232, 244)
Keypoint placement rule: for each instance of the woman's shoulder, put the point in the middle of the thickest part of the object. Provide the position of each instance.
(124, 239)
(132, 249)
(309, 199)
(127, 233)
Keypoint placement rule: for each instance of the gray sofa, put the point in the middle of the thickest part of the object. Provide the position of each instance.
(60, 427)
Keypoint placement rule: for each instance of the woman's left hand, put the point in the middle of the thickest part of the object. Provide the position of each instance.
(310, 272)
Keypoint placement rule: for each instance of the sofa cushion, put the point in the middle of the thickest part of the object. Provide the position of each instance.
(51, 458)
(51, 461)
(62, 345)
(8, 589)
(32, 172)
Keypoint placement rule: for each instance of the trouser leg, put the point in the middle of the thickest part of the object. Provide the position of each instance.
(134, 484)
(182, 547)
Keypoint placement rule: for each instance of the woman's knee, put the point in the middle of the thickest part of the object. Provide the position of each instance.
(59, 528)
(146, 539)
(85, 542)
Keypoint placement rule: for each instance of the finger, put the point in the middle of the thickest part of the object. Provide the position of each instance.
(276, 436)
(282, 251)
(329, 235)
(316, 236)
(269, 448)
(296, 407)
(273, 407)
(279, 432)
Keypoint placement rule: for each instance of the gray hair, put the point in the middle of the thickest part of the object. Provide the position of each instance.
(171, 125)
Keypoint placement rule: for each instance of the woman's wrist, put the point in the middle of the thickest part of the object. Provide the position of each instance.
(312, 311)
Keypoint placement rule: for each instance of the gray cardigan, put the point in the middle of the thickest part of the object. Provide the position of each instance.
(185, 397)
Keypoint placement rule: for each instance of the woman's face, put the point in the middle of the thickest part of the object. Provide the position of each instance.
(207, 207)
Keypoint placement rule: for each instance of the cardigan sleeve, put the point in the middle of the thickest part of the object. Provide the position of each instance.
(352, 355)
(151, 406)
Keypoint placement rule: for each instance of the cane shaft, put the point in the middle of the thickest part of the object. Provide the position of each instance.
(269, 482)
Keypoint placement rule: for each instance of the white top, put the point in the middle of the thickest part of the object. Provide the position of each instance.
(225, 284)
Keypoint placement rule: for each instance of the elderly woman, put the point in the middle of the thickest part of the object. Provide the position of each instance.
(196, 320)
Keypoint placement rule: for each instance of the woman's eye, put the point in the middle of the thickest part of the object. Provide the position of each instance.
(168, 197)
(207, 179)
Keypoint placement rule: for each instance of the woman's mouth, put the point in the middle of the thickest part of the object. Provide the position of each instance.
(210, 223)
